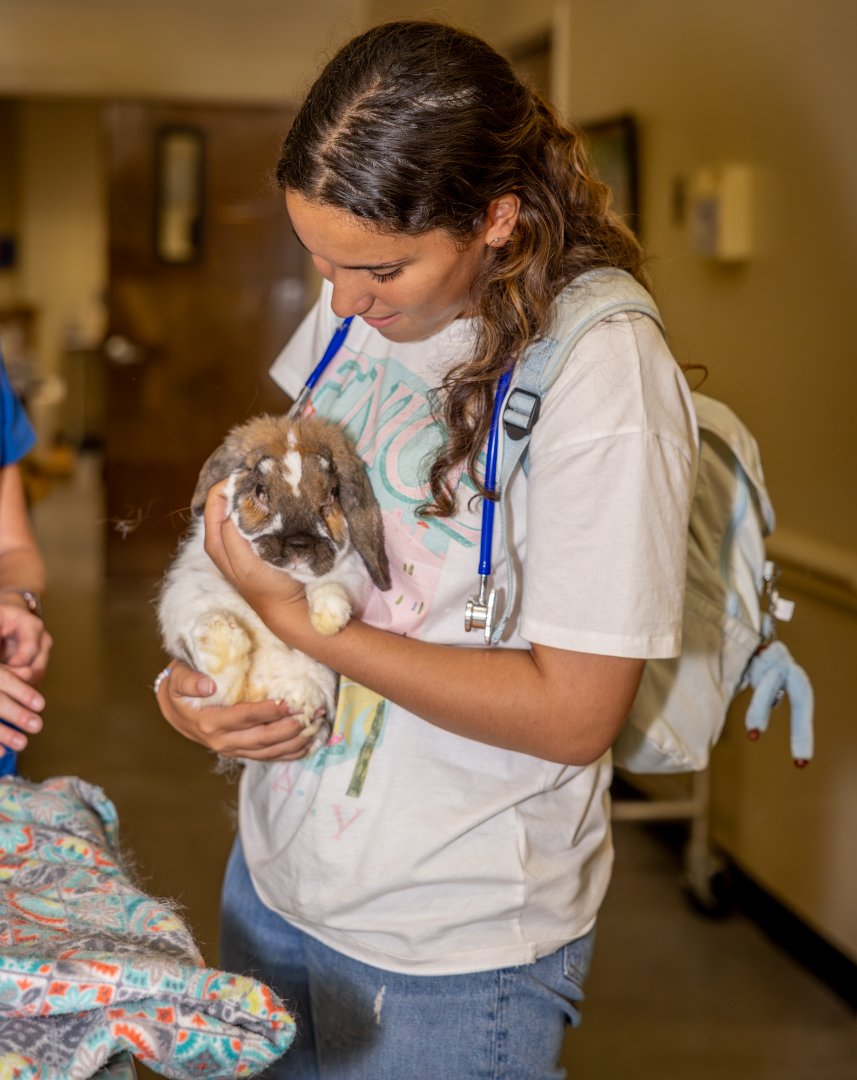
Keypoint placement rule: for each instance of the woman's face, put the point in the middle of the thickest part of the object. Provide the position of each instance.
(406, 287)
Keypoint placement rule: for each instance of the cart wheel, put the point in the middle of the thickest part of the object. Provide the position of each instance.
(708, 886)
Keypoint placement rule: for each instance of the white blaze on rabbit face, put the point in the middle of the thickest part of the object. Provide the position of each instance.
(293, 464)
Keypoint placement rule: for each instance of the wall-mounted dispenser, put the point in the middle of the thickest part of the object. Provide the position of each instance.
(720, 212)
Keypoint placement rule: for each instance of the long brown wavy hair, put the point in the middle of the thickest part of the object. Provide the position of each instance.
(414, 126)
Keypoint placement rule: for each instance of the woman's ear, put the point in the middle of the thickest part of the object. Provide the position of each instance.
(501, 217)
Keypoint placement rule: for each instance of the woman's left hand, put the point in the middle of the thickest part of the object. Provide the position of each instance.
(258, 582)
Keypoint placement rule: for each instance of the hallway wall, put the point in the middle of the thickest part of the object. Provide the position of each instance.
(63, 222)
(218, 50)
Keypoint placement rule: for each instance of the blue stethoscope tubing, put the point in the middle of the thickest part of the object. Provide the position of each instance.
(480, 608)
(332, 349)
(492, 453)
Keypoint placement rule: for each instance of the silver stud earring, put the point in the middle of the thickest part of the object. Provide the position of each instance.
(496, 240)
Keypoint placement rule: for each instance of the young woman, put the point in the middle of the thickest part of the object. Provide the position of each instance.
(24, 641)
(424, 889)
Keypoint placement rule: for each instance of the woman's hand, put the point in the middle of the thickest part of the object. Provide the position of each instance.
(24, 642)
(259, 583)
(24, 648)
(20, 705)
(259, 730)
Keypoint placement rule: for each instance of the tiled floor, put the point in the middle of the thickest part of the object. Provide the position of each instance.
(672, 996)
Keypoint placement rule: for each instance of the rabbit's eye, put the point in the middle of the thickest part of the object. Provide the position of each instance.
(300, 543)
(261, 494)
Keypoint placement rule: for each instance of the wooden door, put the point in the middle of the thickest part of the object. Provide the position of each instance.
(189, 342)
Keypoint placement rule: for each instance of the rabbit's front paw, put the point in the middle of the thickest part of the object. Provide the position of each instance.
(222, 648)
(329, 608)
(309, 702)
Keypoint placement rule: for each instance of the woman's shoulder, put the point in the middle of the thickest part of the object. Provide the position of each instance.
(594, 296)
(619, 378)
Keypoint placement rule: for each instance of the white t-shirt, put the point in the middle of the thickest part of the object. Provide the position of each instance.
(408, 847)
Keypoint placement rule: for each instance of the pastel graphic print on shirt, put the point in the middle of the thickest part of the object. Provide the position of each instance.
(384, 407)
(357, 731)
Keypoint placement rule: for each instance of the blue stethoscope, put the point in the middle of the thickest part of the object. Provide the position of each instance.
(480, 610)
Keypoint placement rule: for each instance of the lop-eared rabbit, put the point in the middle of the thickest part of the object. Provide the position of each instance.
(297, 490)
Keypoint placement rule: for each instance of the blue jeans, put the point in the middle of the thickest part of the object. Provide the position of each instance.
(357, 1022)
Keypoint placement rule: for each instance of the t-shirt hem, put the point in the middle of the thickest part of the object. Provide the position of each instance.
(655, 647)
(463, 963)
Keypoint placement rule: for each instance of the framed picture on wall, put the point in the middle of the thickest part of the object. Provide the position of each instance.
(613, 151)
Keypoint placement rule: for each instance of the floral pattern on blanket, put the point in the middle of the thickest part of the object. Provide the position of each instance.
(90, 966)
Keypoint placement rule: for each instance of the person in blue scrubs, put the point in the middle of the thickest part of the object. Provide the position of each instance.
(24, 641)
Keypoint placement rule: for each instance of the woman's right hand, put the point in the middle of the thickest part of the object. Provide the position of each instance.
(259, 730)
(20, 705)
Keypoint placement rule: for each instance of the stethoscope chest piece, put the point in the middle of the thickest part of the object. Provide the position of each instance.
(480, 610)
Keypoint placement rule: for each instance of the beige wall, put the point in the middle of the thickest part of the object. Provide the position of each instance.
(213, 50)
(63, 223)
(763, 83)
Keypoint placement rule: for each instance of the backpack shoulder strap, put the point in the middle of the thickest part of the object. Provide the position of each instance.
(587, 301)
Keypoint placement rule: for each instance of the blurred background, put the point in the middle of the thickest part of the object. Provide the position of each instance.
(148, 277)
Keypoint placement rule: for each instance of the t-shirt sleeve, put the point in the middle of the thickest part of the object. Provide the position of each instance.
(306, 346)
(612, 466)
(17, 437)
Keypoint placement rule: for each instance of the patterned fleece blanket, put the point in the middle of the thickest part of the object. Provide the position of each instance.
(90, 966)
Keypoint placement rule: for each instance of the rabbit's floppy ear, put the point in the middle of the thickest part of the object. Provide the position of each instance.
(225, 460)
(361, 509)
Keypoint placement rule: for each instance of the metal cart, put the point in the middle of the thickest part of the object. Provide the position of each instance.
(681, 798)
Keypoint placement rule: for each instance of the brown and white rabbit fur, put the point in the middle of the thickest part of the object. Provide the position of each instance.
(300, 494)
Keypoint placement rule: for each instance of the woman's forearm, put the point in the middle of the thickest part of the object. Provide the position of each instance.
(554, 704)
(21, 564)
(22, 568)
